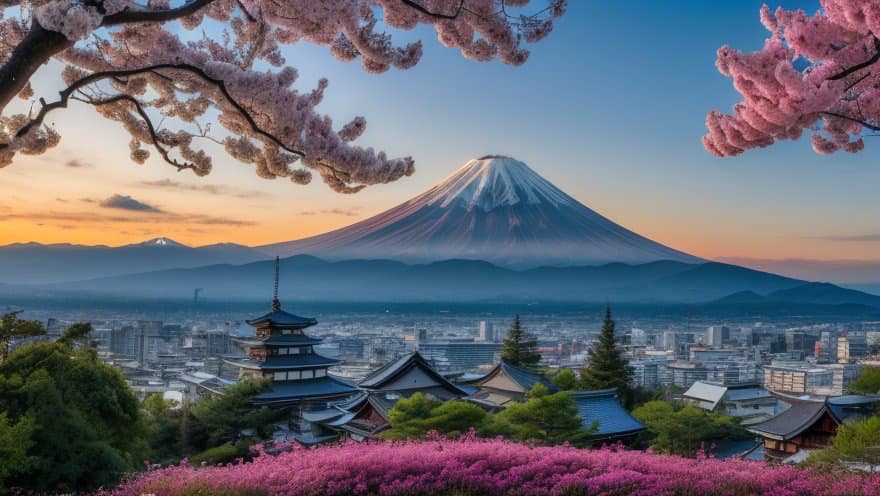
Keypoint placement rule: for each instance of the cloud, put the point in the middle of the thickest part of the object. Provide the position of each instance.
(77, 164)
(61, 200)
(853, 238)
(352, 212)
(211, 189)
(73, 218)
(124, 202)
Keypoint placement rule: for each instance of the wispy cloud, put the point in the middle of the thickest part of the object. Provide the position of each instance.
(77, 164)
(351, 212)
(125, 202)
(850, 238)
(211, 189)
(73, 218)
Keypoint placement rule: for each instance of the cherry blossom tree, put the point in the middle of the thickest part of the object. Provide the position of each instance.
(816, 73)
(134, 62)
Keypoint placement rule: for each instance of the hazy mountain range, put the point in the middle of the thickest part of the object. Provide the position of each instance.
(494, 230)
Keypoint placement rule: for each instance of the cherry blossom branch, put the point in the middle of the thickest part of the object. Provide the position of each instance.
(151, 129)
(440, 15)
(860, 66)
(864, 123)
(99, 76)
(142, 14)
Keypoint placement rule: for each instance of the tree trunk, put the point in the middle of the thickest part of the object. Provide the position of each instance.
(34, 50)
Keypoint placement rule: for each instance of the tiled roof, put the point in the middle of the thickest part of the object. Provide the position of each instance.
(525, 378)
(385, 374)
(602, 406)
(310, 388)
(283, 319)
(284, 362)
(748, 393)
(280, 340)
(791, 422)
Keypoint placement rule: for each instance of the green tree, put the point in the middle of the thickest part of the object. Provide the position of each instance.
(414, 417)
(520, 348)
(11, 326)
(683, 431)
(855, 442)
(565, 379)
(15, 441)
(543, 417)
(222, 418)
(87, 428)
(167, 438)
(607, 367)
(868, 381)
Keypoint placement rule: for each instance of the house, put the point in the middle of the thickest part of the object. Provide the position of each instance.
(603, 410)
(750, 403)
(506, 384)
(810, 424)
(366, 414)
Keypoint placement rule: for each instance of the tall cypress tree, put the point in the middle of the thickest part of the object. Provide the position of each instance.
(520, 348)
(607, 367)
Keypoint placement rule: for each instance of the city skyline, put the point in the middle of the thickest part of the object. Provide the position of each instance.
(644, 169)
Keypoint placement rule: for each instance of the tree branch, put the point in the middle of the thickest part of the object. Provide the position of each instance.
(440, 15)
(142, 14)
(99, 76)
(154, 136)
(872, 127)
(858, 67)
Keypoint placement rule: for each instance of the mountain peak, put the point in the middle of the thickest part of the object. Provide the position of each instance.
(494, 181)
(161, 241)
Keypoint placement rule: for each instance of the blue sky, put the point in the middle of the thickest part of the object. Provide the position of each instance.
(610, 107)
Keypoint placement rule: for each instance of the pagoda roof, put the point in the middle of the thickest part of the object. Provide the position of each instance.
(285, 362)
(803, 414)
(603, 408)
(280, 340)
(280, 318)
(292, 391)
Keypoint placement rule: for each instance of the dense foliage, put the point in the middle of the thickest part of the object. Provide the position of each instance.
(685, 430)
(855, 444)
(13, 327)
(520, 348)
(212, 429)
(67, 421)
(606, 366)
(543, 418)
(478, 467)
(867, 383)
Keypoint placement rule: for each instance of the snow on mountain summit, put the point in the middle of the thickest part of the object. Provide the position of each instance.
(493, 181)
(493, 208)
(162, 241)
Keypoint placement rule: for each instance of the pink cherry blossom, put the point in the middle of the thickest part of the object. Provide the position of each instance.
(815, 73)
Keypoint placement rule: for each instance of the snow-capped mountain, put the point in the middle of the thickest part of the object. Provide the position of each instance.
(496, 209)
(159, 242)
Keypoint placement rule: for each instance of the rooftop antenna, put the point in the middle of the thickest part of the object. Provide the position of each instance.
(276, 304)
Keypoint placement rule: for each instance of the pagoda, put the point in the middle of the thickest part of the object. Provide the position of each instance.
(283, 352)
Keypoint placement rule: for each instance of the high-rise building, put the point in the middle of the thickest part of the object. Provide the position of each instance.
(487, 332)
(717, 335)
(851, 347)
(459, 355)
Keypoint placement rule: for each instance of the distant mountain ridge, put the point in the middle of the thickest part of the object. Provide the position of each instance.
(496, 209)
(311, 278)
(35, 263)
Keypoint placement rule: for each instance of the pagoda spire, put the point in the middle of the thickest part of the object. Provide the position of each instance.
(276, 304)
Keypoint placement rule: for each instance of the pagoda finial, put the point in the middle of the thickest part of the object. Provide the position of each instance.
(276, 304)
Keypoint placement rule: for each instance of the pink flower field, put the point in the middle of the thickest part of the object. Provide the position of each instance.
(493, 467)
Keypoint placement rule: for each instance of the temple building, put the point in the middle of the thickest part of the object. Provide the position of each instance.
(506, 384)
(810, 424)
(366, 414)
(280, 350)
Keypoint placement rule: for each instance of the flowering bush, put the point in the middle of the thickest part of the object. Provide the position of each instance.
(471, 466)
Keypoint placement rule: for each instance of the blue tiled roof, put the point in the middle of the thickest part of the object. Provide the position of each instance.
(525, 378)
(286, 362)
(604, 407)
(750, 393)
(283, 319)
(281, 340)
(380, 377)
(309, 388)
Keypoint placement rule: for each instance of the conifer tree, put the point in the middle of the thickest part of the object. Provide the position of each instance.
(520, 348)
(607, 367)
